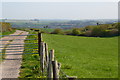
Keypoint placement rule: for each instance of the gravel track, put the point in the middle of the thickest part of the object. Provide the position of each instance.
(10, 67)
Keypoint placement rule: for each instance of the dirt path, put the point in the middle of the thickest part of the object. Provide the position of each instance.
(9, 68)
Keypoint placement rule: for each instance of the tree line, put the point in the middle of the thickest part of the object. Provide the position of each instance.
(102, 30)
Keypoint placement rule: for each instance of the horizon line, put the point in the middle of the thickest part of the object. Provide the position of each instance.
(53, 19)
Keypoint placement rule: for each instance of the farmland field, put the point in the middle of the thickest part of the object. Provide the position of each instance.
(85, 57)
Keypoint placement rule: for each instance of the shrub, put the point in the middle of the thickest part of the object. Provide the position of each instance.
(76, 31)
(87, 28)
(99, 32)
(67, 32)
(57, 31)
(42, 31)
(5, 27)
(105, 26)
(87, 33)
(117, 26)
(114, 32)
(37, 30)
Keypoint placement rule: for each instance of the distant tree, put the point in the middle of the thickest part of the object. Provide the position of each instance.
(76, 31)
(67, 32)
(45, 27)
(57, 31)
(99, 32)
(97, 23)
(87, 33)
(117, 26)
(87, 28)
(114, 32)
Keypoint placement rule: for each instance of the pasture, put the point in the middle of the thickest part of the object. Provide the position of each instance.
(85, 57)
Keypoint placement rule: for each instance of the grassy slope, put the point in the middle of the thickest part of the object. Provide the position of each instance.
(6, 29)
(7, 32)
(85, 57)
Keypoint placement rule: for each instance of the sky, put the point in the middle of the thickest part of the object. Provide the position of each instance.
(71, 9)
(59, 0)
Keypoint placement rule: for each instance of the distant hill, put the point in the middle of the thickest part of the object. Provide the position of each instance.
(64, 24)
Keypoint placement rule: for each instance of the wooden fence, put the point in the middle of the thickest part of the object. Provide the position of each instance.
(48, 64)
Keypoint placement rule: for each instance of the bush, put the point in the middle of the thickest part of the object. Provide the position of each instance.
(105, 26)
(6, 27)
(67, 32)
(76, 31)
(99, 32)
(117, 26)
(88, 28)
(114, 32)
(57, 31)
(87, 33)
(42, 31)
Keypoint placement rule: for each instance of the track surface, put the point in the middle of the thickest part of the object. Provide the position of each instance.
(10, 67)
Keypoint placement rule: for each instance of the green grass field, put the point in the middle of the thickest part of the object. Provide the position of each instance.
(30, 62)
(85, 57)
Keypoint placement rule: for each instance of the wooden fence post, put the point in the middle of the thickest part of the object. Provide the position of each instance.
(59, 66)
(52, 55)
(55, 70)
(39, 41)
(42, 56)
(50, 69)
(46, 54)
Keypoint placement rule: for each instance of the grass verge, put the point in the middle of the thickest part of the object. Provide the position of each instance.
(31, 62)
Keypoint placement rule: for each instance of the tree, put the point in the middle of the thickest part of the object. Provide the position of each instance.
(98, 32)
(57, 31)
(76, 31)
